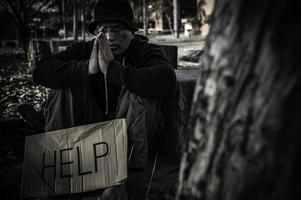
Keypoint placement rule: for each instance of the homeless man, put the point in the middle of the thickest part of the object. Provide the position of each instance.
(138, 77)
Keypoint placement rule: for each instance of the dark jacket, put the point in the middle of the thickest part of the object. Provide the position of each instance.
(146, 71)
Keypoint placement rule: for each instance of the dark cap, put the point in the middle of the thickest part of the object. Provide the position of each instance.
(113, 10)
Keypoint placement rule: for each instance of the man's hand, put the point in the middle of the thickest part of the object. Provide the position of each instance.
(115, 193)
(105, 55)
(101, 54)
(93, 61)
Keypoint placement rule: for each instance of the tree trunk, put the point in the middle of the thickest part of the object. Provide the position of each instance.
(18, 39)
(145, 18)
(21, 26)
(75, 21)
(22, 33)
(245, 122)
(83, 8)
(169, 21)
(64, 19)
(176, 17)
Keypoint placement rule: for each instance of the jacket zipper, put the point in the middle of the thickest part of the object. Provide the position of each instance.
(106, 88)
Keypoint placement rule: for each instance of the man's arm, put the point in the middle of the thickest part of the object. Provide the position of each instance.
(154, 78)
(64, 69)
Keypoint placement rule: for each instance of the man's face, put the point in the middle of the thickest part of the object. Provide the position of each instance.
(118, 36)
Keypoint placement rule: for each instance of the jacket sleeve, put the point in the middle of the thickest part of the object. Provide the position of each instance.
(64, 69)
(155, 77)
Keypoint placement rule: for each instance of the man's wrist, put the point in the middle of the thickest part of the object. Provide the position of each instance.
(92, 70)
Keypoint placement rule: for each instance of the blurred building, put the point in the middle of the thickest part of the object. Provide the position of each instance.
(193, 13)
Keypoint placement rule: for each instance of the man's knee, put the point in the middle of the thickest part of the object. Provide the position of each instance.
(145, 121)
(69, 107)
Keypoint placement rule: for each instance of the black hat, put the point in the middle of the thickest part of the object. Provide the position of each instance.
(113, 10)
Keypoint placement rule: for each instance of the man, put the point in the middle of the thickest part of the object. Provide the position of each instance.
(138, 76)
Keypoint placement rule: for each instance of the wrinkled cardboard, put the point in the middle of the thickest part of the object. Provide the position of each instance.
(63, 162)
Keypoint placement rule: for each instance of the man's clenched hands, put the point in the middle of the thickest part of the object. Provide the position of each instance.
(105, 55)
(101, 54)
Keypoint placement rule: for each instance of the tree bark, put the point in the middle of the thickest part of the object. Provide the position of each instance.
(245, 122)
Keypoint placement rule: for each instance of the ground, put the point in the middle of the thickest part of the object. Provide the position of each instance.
(16, 88)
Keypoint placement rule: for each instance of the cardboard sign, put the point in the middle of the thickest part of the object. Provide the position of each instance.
(75, 160)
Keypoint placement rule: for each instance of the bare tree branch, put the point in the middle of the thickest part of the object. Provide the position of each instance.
(30, 4)
(9, 6)
(41, 7)
(2, 5)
